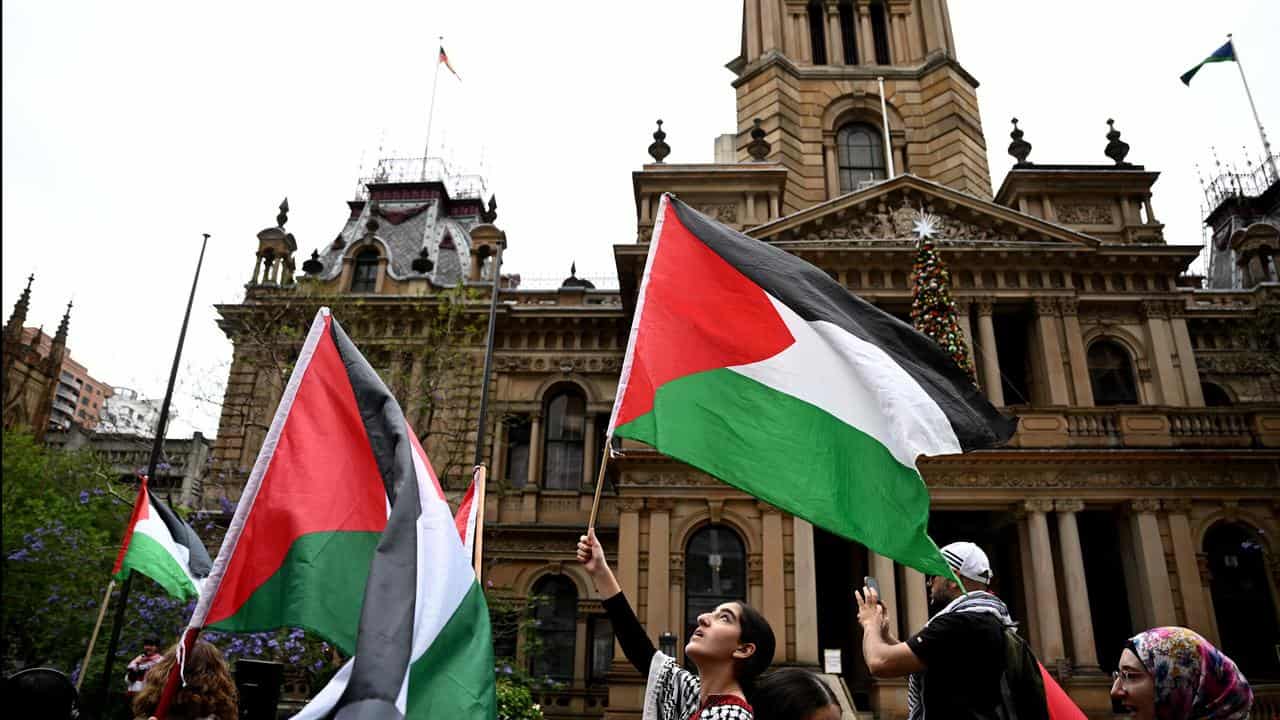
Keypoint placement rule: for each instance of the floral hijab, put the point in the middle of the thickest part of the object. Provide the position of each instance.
(1193, 680)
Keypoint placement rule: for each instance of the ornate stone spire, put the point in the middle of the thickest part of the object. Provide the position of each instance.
(1117, 149)
(1019, 148)
(491, 214)
(60, 337)
(758, 148)
(659, 149)
(14, 327)
(283, 216)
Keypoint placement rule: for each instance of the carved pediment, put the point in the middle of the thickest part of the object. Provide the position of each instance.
(888, 213)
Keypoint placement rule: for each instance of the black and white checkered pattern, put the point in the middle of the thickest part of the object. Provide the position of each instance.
(726, 712)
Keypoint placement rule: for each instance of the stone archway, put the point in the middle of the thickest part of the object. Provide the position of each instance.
(1243, 599)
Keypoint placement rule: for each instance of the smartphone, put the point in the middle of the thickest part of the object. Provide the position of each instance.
(871, 583)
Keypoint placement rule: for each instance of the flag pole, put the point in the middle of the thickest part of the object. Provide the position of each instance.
(431, 109)
(595, 503)
(1266, 146)
(157, 447)
(478, 499)
(102, 611)
(884, 117)
(484, 404)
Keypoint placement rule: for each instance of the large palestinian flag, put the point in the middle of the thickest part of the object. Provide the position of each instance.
(756, 367)
(298, 550)
(161, 546)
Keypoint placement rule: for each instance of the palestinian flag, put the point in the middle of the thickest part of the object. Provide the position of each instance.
(298, 550)
(425, 649)
(1226, 53)
(754, 366)
(161, 546)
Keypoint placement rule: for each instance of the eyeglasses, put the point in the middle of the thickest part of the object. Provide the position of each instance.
(1127, 677)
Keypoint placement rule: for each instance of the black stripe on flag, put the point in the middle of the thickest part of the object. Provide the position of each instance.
(198, 561)
(384, 643)
(814, 296)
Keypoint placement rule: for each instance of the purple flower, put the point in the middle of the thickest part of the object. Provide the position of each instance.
(84, 497)
(18, 555)
(317, 665)
(227, 506)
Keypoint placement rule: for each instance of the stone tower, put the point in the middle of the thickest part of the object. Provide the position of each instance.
(809, 71)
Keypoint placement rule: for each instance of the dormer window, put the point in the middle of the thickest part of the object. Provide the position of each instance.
(861, 156)
(364, 277)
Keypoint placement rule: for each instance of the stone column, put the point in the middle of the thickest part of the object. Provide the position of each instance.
(1186, 355)
(498, 460)
(774, 602)
(1160, 345)
(1190, 586)
(835, 49)
(833, 165)
(580, 669)
(590, 453)
(659, 615)
(917, 600)
(990, 356)
(535, 451)
(866, 48)
(898, 43)
(629, 547)
(1080, 383)
(1051, 350)
(257, 268)
(1151, 562)
(806, 592)
(1047, 614)
(882, 569)
(1083, 650)
(963, 307)
(1028, 585)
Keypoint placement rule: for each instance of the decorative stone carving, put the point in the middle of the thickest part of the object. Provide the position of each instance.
(630, 504)
(1069, 306)
(660, 504)
(1145, 505)
(1117, 476)
(884, 222)
(1019, 148)
(1042, 505)
(1152, 309)
(659, 149)
(985, 303)
(1083, 213)
(1116, 149)
(1068, 506)
(721, 212)
(1046, 306)
(1178, 505)
(755, 569)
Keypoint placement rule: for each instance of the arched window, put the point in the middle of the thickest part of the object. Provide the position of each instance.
(715, 572)
(1214, 395)
(860, 152)
(565, 426)
(1111, 374)
(1242, 599)
(556, 622)
(849, 32)
(818, 32)
(880, 32)
(364, 278)
(517, 460)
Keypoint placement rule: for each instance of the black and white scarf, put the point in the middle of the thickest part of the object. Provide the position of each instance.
(978, 601)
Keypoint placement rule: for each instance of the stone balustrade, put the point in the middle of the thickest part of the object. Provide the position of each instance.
(1164, 427)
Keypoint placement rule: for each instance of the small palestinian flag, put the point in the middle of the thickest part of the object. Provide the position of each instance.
(444, 58)
(756, 367)
(161, 546)
(1226, 53)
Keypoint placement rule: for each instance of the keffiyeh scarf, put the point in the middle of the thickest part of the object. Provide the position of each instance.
(978, 601)
(673, 693)
(1193, 679)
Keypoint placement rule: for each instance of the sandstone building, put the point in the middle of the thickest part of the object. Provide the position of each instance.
(1140, 490)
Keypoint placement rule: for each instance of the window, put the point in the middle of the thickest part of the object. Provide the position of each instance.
(1214, 395)
(861, 155)
(365, 276)
(848, 32)
(565, 424)
(715, 572)
(601, 649)
(556, 624)
(880, 32)
(516, 464)
(1111, 374)
(1246, 612)
(817, 32)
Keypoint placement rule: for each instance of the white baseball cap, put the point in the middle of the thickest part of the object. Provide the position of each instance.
(968, 560)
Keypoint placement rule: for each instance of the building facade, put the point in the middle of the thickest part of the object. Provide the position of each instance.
(127, 412)
(1142, 487)
(180, 474)
(80, 398)
(34, 396)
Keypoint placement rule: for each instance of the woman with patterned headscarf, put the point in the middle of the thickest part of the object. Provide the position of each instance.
(1171, 673)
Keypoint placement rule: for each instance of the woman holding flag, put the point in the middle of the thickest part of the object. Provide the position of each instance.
(731, 647)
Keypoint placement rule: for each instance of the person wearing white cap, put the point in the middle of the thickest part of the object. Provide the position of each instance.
(956, 661)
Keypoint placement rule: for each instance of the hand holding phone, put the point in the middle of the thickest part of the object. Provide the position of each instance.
(871, 583)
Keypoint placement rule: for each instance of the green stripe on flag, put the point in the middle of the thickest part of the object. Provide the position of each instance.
(319, 587)
(1226, 53)
(454, 677)
(795, 456)
(147, 556)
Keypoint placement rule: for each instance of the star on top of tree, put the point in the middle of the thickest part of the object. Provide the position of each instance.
(926, 225)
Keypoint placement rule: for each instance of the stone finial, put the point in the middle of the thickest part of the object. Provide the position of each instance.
(659, 149)
(60, 338)
(1019, 148)
(313, 266)
(1117, 149)
(422, 263)
(758, 148)
(491, 214)
(283, 216)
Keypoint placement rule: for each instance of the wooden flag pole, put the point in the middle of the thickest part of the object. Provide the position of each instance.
(102, 612)
(479, 501)
(595, 503)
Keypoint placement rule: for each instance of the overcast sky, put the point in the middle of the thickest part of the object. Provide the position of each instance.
(130, 128)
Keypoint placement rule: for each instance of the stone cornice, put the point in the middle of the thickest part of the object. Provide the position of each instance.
(775, 58)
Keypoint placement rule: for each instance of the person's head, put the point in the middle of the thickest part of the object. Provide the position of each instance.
(209, 688)
(735, 634)
(1171, 673)
(970, 563)
(150, 646)
(40, 692)
(794, 694)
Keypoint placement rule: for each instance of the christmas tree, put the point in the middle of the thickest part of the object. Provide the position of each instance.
(933, 312)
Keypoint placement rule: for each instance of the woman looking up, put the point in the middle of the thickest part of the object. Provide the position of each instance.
(731, 646)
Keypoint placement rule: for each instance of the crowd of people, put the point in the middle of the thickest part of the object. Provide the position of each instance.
(966, 663)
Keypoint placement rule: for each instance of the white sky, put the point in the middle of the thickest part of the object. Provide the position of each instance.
(130, 128)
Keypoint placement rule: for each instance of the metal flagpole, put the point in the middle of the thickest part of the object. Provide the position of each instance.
(884, 116)
(1266, 146)
(431, 110)
(484, 404)
(157, 446)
